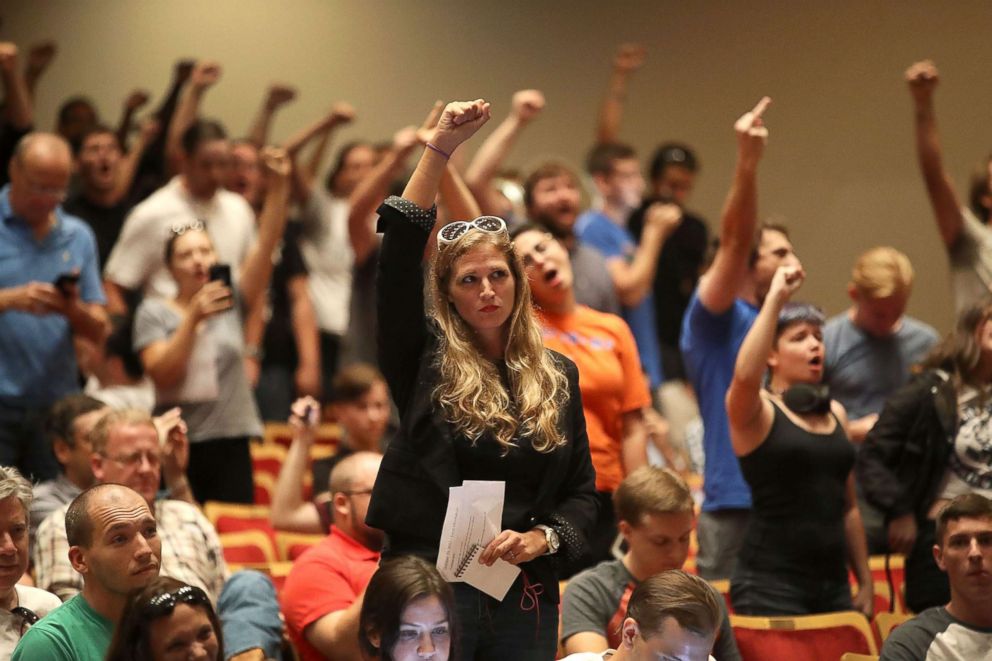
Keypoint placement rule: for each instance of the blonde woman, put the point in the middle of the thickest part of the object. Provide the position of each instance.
(479, 399)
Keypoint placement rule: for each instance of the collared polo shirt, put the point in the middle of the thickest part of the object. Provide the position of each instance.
(37, 359)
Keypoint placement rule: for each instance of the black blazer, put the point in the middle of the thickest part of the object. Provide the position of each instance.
(410, 496)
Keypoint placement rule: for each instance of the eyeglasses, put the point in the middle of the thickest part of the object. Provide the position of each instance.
(454, 231)
(163, 604)
(28, 617)
(57, 193)
(181, 228)
(360, 492)
(134, 458)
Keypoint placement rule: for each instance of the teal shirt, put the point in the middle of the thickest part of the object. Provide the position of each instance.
(73, 632)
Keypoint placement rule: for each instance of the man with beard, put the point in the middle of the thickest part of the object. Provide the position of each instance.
(324, 591)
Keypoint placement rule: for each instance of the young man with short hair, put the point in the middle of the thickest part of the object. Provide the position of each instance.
(962, 630)
(672, 615)
(656, 516)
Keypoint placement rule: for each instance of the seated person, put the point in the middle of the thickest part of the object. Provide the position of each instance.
(408, 613)
(360, 404)
(20, 605)
(113, 542)
(69, 424)
(323, 593)
(655, 511)
(962, 630)
(672, 615)
(167, 619)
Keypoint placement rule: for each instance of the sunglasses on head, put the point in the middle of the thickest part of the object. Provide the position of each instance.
(28, 617)
(163, 604)
(454, 231)
(181, 228)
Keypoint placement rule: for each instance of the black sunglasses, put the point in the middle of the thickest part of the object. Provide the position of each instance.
(165, 603)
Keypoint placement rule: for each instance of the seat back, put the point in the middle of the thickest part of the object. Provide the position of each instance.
(809, 637)
(851, 656)
(247, 547)
(291, 545)
(885, 622)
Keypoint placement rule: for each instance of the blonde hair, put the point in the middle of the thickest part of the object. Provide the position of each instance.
(882, 272)
(471, 392)
(101, 431)
(651, 490)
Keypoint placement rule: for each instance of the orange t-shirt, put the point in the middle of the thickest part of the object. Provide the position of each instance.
(610, 379)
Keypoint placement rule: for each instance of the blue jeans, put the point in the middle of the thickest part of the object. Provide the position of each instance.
(249, 615)
(768, 593)
(522, 627)
(24, 443)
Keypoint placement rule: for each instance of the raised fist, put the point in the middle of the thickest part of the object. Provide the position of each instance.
(41, 55)
(922, 78)
(136, 99)
(205, 74)
(459, 121)
(786, 282)
(405, 139)
(527, 104)
(666, 215)
(279, 94)
(276, 161)
(8, 56)
(629, 58)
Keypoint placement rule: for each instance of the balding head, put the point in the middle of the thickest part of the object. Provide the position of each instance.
(39, 176)
(79, 517)
(351, 488)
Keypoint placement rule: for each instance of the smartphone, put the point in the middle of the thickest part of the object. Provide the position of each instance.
(221, 272)
(65, 281)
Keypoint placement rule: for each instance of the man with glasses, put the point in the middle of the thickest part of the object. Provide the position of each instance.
(50, 294)
(113, 540)
(323, 594)
(126, 450)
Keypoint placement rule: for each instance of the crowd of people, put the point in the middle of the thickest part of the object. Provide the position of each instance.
(165, 290)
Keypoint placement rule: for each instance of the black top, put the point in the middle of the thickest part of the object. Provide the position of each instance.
(427, 456)
(798, 481)
(679, 267)
(279, 343)
(106, 222)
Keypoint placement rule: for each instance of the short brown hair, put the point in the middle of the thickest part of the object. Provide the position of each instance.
(101, 432)
(882, 272)
(771, 225)
(968, 506)
(651, 490)
(544, 171)
(354, 381)
(687, 598)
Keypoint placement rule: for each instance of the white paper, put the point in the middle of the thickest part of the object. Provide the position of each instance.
(473, 519)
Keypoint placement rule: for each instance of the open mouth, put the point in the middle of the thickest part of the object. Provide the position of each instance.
(551, 275)
(816, 361)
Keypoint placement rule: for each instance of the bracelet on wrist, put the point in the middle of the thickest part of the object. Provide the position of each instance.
(440, 151)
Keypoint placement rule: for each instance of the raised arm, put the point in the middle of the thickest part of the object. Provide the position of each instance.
(303, 175)
(922, 78)
(132, 103)
(278, 95)
(524, 108)
(629, 58)
(749, 415)
(289, 510)
(633, 280)
(40, 57)
(719, 286)
(129, 164)
(17, 107)
(205, 74)
(256, 270)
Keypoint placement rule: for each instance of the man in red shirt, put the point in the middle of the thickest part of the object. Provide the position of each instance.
(324, 590)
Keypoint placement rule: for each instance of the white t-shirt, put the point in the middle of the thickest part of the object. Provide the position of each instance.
(326, 249)
(41, 603)
(971, 261)
(137, 261)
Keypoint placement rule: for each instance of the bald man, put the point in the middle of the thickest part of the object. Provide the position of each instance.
(50, 293)
(114, 544)
(324, 590)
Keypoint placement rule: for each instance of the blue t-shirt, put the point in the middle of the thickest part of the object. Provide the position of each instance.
(37, 358)
(596, 230)
(709, 344)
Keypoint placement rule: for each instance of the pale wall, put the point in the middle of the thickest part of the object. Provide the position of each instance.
(840, 164)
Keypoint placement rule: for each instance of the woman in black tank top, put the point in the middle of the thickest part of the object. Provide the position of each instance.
(794, 452)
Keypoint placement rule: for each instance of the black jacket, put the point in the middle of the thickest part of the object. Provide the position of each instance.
(410, 496)
(905, 454)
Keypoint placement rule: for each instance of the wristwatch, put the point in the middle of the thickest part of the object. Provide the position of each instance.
(551, 537)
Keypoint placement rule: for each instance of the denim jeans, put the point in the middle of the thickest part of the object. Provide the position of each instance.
(522, 627)
(249, 615)
(24, 443)
(770, 593)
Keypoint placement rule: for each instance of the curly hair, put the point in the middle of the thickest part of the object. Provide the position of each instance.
(471, 392)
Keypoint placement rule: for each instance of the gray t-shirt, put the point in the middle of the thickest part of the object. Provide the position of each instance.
(593, 284)
(862, 370)
(935, 635)
(971, 261)
(594, 598)
(231, 412)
